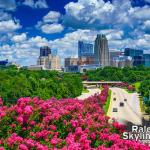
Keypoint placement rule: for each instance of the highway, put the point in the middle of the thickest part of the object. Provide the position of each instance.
(90, 93)
(130, 112)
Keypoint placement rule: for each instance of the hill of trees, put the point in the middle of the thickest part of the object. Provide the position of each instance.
(43, 84)
(129, 75)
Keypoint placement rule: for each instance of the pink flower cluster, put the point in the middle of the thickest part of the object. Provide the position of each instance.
(67, 124)
(125, 85)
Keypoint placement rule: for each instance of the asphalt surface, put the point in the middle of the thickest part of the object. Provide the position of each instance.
(130, 112)
(90, 93)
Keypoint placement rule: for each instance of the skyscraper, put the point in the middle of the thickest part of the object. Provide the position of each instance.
(101, 50)
(85, 49)
(85, 53)
(136, 54)
(45, 51)
(48, 60)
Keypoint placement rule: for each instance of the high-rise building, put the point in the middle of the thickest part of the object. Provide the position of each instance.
(101, 50)
(85, 49)
(45, 51)
(133, 52)
(71, 61)
(48, 60)
(147, 60)
(85, 53)
(137, 56)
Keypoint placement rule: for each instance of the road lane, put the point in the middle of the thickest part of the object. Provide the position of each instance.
(130, 112)
(90, 93)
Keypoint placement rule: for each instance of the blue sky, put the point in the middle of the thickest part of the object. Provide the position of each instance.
(26, 25)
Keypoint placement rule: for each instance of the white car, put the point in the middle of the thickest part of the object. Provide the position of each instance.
(115, 110)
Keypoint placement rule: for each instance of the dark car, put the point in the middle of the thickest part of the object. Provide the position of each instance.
(114, 99)
(121, 104)
(115, 110)
(125, 99)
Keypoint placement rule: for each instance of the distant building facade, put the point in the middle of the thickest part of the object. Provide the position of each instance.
(112, 54)
(122, 61)
(101, 50)
(147, 60)
(85, 49)
(71, 61)
(137, 56)
(85, 53)
(133, 52)
(45, 51)
(49, 61)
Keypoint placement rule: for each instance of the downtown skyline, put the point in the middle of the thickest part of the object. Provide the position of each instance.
(26, 25)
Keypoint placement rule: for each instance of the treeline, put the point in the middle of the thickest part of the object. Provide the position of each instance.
(43, 84)
(129, 75)
(145, 92)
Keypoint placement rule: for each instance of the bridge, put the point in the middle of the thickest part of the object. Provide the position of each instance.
(99, 83)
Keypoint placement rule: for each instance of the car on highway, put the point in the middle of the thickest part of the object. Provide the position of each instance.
(125, 99)
(121, 104)
(114, 99)
(115, 110)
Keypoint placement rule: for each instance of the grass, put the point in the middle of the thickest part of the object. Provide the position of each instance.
(106, 106)
(85, 90)
(141, 105)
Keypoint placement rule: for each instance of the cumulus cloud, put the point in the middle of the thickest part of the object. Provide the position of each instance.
(52, 28)
(52, 17)
(8, 5)
(36, 4)
(97, 14)
(19, 38)
(24, 52)
(146, 25)
(49, 23)
(9, 26)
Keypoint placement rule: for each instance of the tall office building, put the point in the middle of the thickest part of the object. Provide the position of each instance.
(133, 52)
(147, 60)
(85, 53)
(85, 49)
(101, 50)
(45, 51)
(137, 56)
(48, 60)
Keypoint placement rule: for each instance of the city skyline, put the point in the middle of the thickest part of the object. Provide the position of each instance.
(26, 25)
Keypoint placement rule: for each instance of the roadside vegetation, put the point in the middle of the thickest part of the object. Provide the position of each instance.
(106, 106)
(85, 90)
(43, 84)
(128, 75)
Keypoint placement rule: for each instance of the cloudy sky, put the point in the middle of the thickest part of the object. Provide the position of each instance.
(26, 25)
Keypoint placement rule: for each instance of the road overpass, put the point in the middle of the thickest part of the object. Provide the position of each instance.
(99, 83)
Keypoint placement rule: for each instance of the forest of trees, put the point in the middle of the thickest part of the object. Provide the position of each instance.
(44, 84)
(129, 75)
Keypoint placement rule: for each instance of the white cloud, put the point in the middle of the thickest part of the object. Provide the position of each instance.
(19, 38)
(4, 16)
(97, 14)
(52, 17)
(36, 4)
(9, 26)
(146, 25)
(52, 28)
(8, 4)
